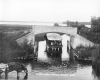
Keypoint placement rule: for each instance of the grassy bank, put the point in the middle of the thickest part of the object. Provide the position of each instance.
(8, 45)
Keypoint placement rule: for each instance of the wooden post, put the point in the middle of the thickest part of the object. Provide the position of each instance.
(33, 35)
(71, 56)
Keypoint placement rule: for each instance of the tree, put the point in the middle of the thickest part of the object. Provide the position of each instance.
(94, 33)
(95, 22)
(56, 24)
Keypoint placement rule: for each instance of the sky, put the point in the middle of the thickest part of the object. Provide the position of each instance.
(49, 10)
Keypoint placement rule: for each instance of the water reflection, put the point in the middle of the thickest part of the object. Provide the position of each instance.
(45, 68)
(96, 72)
(29, 67)
(56, 68)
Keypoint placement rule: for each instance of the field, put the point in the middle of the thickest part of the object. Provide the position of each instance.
(8, 35)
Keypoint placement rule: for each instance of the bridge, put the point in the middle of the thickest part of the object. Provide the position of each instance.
(76, 39)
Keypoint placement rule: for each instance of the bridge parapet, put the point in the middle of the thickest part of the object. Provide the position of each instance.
(44, 29)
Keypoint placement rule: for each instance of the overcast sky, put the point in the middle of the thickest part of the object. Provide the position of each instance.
(49, 10)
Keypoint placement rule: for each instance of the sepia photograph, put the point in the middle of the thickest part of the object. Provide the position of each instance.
(49, 39)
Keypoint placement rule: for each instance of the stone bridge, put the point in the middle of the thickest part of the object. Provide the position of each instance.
(41, 30)
(76, 39)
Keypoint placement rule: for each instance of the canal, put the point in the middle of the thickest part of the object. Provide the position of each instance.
(57, 70)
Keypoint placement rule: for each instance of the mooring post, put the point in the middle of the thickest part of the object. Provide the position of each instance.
(33, 35)
(71, 55)
(34, 41)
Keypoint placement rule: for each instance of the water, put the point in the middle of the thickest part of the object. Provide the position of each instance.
(54, 71)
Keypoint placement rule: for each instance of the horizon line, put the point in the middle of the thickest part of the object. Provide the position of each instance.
(40, 21)
(30, 21)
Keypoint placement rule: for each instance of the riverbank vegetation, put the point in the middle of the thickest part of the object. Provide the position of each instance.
(8, 46)
(92, 34)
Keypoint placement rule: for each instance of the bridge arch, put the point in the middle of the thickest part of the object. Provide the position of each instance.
(40, 36)
(48, 29)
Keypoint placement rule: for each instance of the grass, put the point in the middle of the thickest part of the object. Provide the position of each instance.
(8, 45)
